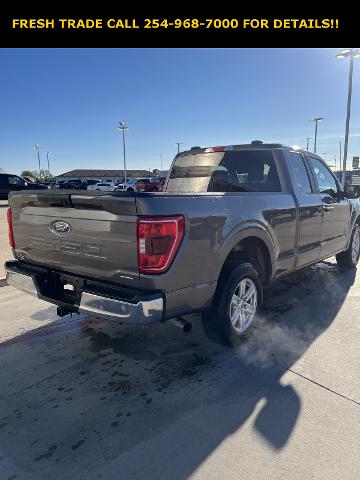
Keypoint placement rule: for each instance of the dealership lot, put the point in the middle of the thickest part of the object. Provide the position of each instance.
(90, 399)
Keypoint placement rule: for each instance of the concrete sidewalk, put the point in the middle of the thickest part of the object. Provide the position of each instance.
(5, 251)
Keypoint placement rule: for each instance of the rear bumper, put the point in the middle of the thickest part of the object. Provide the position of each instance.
(137, 308)
(140, 313)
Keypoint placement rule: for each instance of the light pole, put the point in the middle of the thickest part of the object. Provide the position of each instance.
(348, 52)
(340, 157)
(37, 148)
(307, 142)
(178, 146)
(316, 120)
(161, 161)
(48, 162)
(122, 127)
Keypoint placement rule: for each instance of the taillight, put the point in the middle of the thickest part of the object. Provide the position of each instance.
(158, 242)
(11, 232)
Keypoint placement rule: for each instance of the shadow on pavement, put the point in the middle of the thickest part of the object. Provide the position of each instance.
(154, 402)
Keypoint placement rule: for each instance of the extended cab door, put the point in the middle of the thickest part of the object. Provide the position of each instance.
(336, 209)
(309, 210)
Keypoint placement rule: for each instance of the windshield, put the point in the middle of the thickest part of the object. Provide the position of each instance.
(27, 179)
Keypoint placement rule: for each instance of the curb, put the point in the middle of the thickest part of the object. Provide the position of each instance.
(3, 282)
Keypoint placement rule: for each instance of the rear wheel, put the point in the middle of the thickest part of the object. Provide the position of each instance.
(350, 257)
(130, 189)
(236, 302)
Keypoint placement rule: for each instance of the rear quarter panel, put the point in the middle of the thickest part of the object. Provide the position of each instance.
(215, 223)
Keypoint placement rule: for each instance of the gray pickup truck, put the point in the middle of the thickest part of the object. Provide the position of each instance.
(230, 220)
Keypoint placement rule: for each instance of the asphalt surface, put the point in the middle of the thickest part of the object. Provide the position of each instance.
(82, 398)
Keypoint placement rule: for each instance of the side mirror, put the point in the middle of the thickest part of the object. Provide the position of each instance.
(340, 195)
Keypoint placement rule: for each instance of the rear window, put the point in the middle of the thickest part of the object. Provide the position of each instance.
(234, 171)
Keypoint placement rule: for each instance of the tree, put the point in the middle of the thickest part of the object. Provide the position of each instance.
(28, 175)
(38, 176)
(44, 176)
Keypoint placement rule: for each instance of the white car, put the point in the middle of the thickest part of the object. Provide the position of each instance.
(102, 187)
(132, 184)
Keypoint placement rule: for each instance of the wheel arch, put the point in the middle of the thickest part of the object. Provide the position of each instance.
(253, 245)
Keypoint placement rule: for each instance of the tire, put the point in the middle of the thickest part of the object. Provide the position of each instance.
(217, 321)
(350, 257)
(98, 190)
(130, 189)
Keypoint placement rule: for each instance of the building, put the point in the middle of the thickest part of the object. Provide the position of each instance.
(102, 175)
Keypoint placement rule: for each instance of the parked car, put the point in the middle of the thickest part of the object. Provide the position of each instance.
(74, 185)
(153, 184)
(91, 182)
(61, 185)
(133, 184)
(231, 220)
(12, 183)
(161, 184)
(102, 187)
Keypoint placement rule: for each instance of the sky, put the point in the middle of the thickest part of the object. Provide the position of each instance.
(70, 100)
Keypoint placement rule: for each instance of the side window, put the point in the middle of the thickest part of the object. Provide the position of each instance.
(299, 173)
(16, 181)
(3, 180)
(324, 177)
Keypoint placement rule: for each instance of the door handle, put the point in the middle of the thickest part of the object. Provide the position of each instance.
(327, 208)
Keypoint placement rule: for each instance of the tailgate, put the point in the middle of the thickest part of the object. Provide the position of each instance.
(87, 233)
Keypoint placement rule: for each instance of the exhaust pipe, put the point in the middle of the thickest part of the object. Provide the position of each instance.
(182, 323)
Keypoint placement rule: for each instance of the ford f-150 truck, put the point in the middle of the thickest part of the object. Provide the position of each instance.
(230, 220)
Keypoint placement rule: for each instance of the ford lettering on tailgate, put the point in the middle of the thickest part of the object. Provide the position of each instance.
(73, 248)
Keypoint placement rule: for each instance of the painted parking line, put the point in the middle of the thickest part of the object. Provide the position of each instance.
(47, 331)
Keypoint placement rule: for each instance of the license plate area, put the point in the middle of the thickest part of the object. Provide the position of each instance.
(61, 287)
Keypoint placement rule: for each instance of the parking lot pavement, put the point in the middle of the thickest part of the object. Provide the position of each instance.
(88, 399)
(5, 252)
